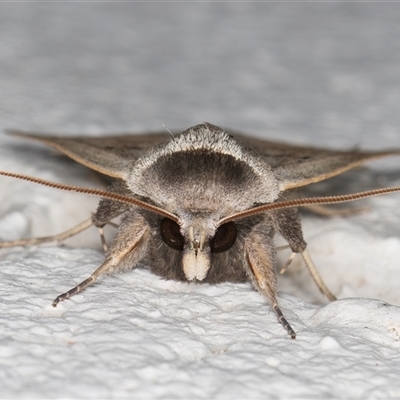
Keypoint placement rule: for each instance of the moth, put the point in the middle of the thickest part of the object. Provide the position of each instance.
(202, 205)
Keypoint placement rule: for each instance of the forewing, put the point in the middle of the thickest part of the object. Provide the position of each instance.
(108, 155)
(293, 166)
(296, 166)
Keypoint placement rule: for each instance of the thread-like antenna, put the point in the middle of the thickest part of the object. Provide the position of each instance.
(94, 192)
(307, 202)
(279, 205)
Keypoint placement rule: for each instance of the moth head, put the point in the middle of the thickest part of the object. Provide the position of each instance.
(197, 237)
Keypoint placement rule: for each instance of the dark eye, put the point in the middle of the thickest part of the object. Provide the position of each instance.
(224, 238)
(171, 234)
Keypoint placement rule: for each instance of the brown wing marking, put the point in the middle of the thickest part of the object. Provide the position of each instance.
(293, 166)
(108, 155)
(296, 166)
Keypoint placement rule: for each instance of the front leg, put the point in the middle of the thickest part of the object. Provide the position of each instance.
(128, 248)
(288, 223)
(260, 264)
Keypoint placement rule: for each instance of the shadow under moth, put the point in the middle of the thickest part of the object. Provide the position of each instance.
(202, 205)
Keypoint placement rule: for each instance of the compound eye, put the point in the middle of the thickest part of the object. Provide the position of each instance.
(171, 234)
(224, 238)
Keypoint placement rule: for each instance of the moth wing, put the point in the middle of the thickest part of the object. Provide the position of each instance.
(108, 155)
(293, 166)
(296, 166)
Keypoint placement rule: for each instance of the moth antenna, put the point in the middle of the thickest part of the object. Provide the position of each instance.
(94, 192)
(306, 202)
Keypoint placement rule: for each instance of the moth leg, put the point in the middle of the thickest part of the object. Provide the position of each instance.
(46, 239)
(114, 225)
(283, 321)
(102, 236)
(128, 248)
(103, 239)
(283, 247)
(288, 262)
(313, 272)
(107, 210)
(288, 223)
(261, 261)
(316, 276)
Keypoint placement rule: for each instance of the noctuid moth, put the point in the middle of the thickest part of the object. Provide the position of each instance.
(202, 205)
